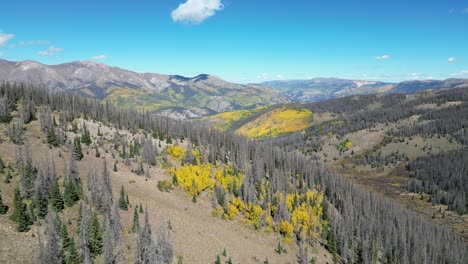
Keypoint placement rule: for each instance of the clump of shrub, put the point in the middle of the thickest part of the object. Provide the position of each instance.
(165, 185)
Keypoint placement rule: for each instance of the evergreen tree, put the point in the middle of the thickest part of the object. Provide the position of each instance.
(32, 215)
(115, 167)
(140, 209)
(24, 221)
(331, 244)
(56, 199)
(72, 256)
(218, 260)
(96, 233)
(86, 138)
(74, 127)
(122, 201)
(20, 213)
(41, 205)
(70, 194)
(98, 155)
(8, 177)
(2, 166)
(66, 240)
(77, 151)
(136, 221)
(3, 207)
(52, 137)
(359, 257)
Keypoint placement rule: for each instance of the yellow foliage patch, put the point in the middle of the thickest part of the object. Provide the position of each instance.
(224, 120)
(286, 229)
(195, 178)
(277, 122)
(175, 151)
(229, 180)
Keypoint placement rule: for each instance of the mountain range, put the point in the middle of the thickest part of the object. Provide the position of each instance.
(194, 97)
(172, 95)
(319, 89)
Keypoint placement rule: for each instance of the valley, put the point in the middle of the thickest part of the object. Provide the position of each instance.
(185, 176)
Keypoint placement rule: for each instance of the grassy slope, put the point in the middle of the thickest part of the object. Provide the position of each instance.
(196, 234)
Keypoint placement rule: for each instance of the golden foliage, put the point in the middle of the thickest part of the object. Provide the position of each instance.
(286, 229)
(177, 152)
(195, 178)
(229, 179)
(224, 120)
(277, 122)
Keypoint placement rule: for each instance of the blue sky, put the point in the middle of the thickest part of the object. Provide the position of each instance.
(246, 40)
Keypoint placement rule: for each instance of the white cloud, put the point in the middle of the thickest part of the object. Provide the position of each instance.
(262, 76)
(1, 54)
(99, 57)
(460, 73)
(49, 51)
(465, 11)
(29, 43)
(383, 57)
(196, 11)
(452, 59)
(4, 38)
(279, 76)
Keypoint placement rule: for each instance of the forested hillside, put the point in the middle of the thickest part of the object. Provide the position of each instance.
(278, 193)
(411, 148)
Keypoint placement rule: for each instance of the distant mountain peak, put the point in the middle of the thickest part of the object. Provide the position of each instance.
(148, 90)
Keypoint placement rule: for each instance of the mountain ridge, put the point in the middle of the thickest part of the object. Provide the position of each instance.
(318, 89)
(173, 95)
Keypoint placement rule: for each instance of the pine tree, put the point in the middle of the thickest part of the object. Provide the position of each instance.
(95, 236)
(77, 151)
(41, 205)
(52, 137)
(115, 167)
(136, 221)
(86, 138)
(72, 256)
(56, 199)
(70, 194)
(3, 207)
(2, 166)
(140, 209)
(74, 127)
(122, 201)
(31, 214)
(24, 221)
(20, 213)
(66, 240)
(8, 177)
(218, 260)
